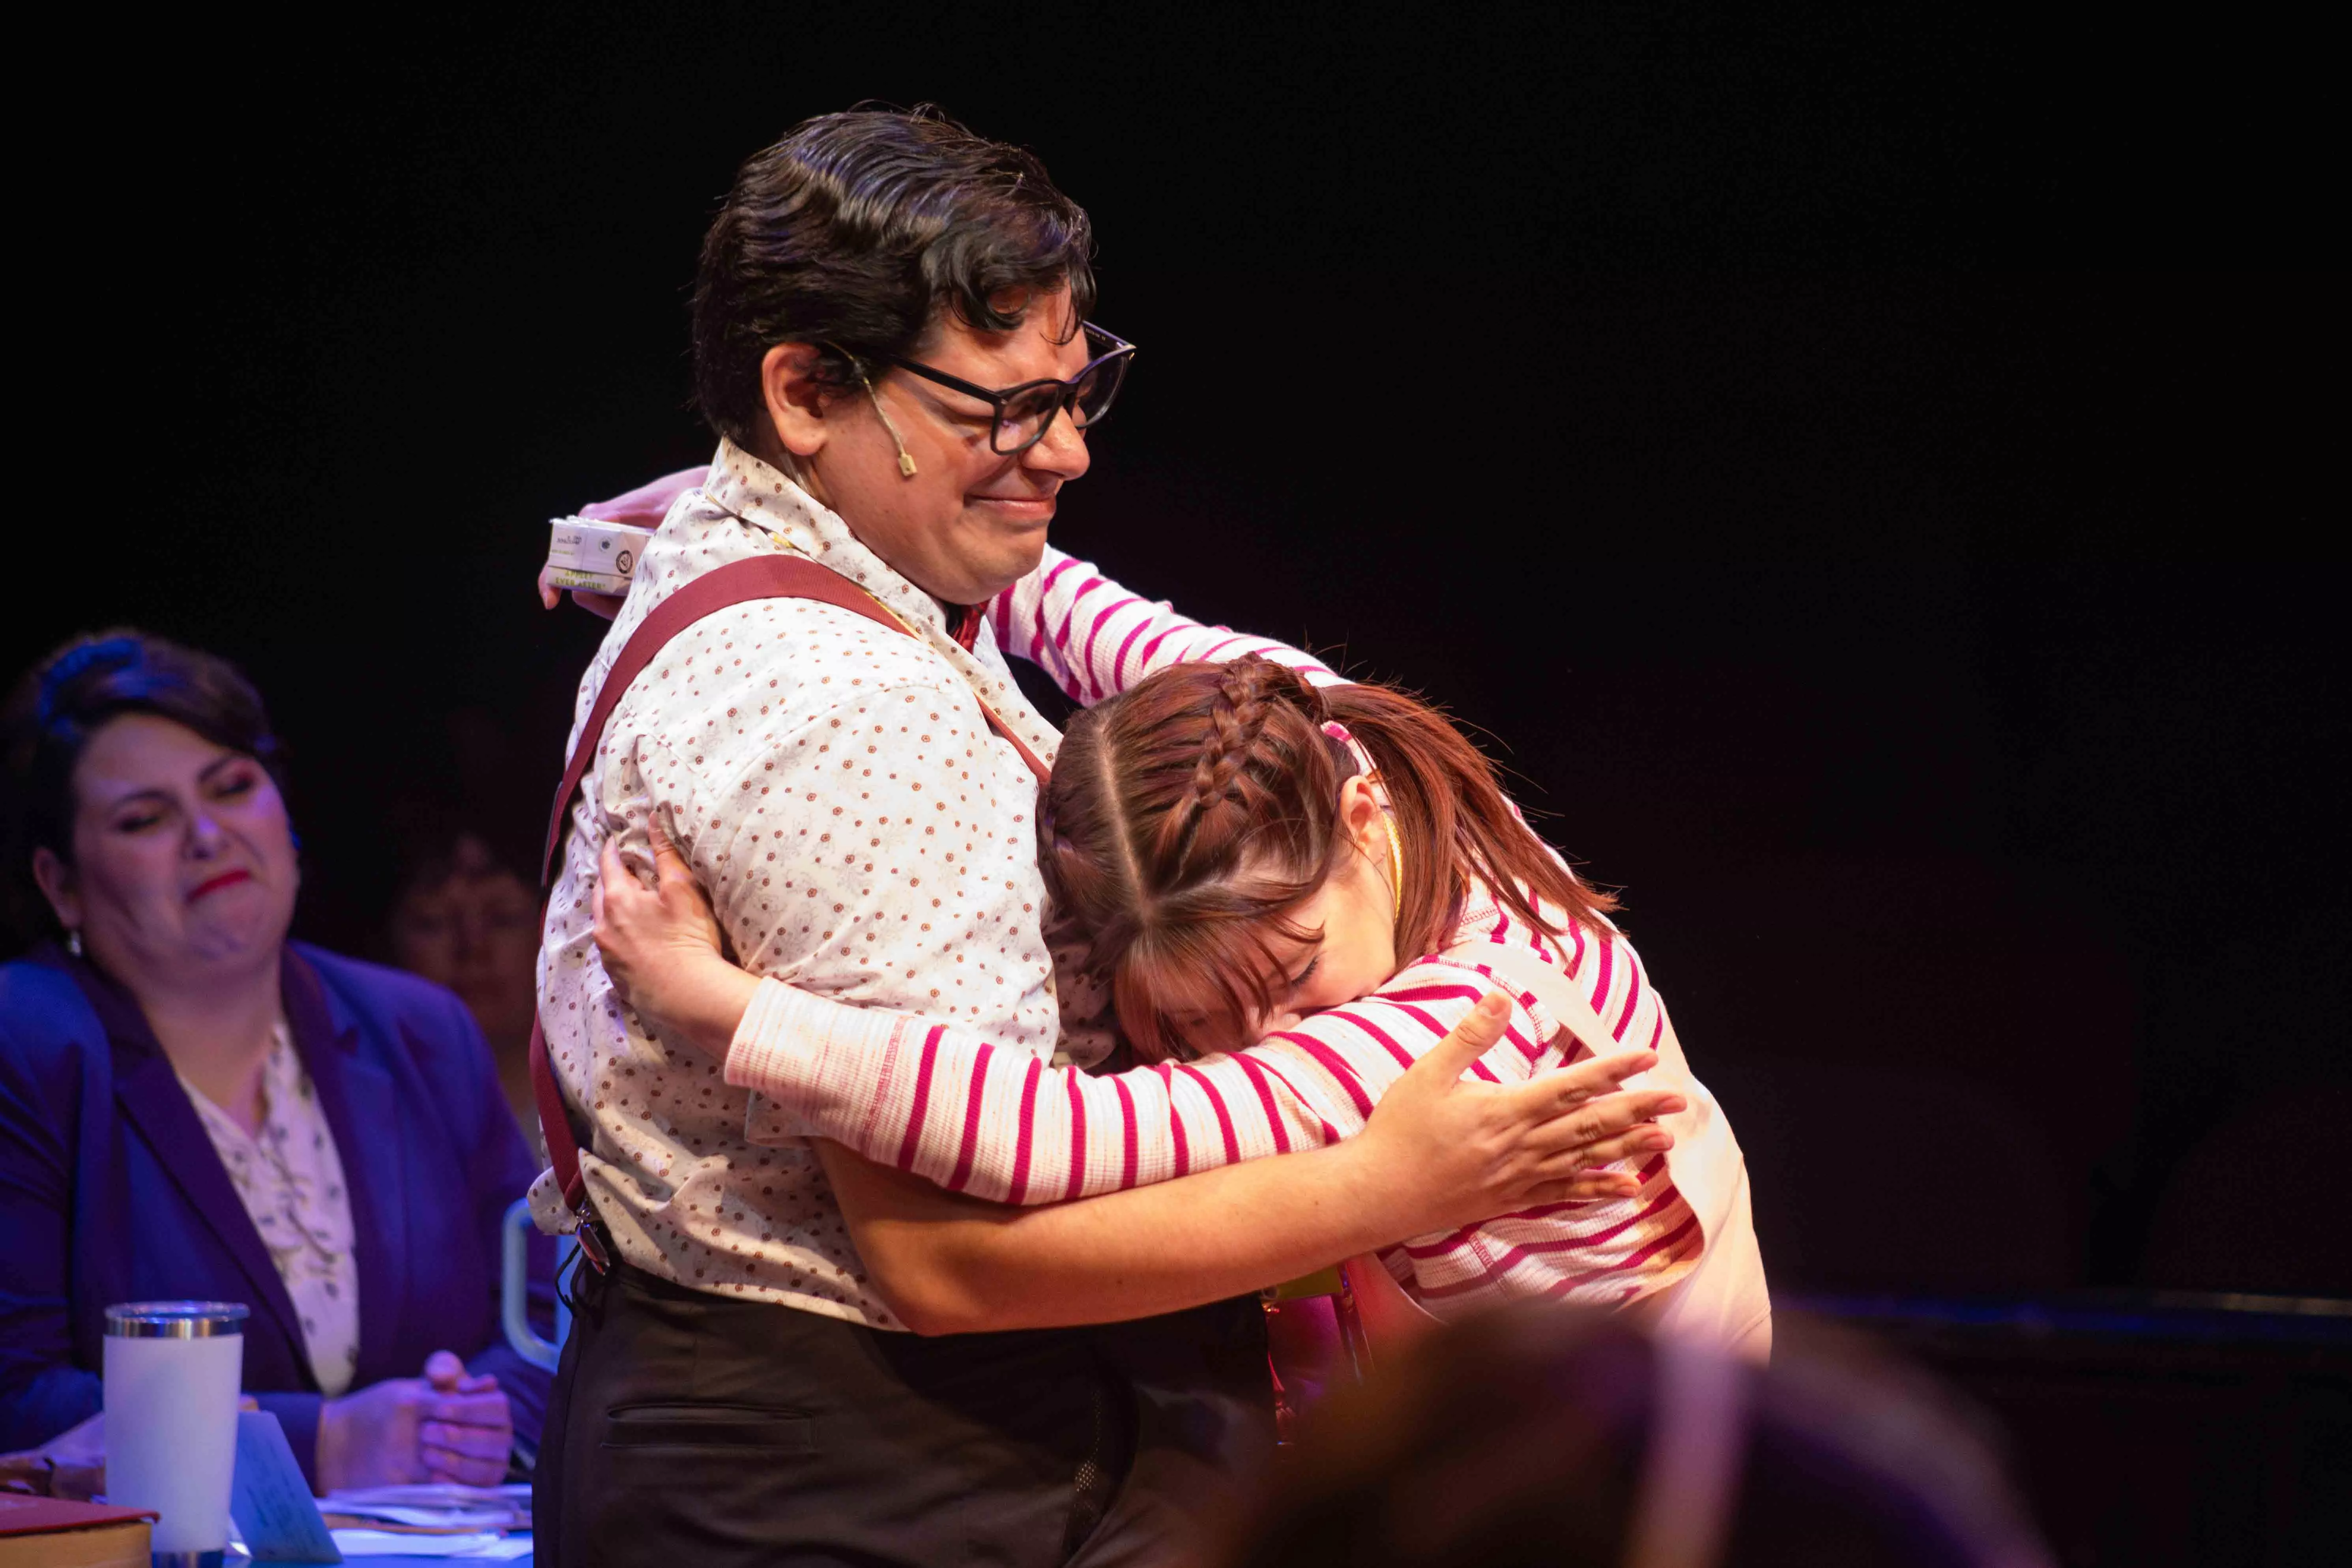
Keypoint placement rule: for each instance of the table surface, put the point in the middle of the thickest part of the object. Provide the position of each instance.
(238, 1559)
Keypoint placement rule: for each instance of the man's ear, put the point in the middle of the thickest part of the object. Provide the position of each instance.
(57, 884)
(796, 399)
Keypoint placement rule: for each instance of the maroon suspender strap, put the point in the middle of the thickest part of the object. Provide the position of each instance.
(762, 578)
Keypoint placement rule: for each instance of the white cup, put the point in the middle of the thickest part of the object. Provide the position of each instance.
(171, 1374)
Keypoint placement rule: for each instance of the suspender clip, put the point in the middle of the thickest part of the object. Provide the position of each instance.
(593, 1248)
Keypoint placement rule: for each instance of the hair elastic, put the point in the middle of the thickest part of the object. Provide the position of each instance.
(1340, 733)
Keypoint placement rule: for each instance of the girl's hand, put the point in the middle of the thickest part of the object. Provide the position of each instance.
(603, 605)
(644, 506)
(1448, 1151)
(662, 949)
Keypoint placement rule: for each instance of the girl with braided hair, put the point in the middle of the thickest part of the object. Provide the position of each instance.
(1189, 834)
(1288, 893)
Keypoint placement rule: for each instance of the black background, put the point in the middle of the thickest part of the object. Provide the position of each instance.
(1875, 478)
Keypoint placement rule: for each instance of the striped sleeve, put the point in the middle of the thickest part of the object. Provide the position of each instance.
(995, 1122)
(1604, 1252)
(1599, 1252)
(1096, 638)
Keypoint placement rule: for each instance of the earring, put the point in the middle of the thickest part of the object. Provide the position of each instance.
(73, 942)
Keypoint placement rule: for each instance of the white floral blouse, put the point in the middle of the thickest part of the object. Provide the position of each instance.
(291, 1181)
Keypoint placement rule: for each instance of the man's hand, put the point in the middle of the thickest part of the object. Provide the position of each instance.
(1447, 1151)
(444, 1426)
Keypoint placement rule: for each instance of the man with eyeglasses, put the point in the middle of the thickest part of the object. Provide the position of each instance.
(889, 335)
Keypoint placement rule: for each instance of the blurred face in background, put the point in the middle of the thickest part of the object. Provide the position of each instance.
(475, 929)
(184, 867)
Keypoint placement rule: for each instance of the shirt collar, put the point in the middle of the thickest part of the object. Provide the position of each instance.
(281, 1087)
(760, 494)
(764, 496)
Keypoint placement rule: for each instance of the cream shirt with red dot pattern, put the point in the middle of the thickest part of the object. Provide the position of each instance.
(860, 831)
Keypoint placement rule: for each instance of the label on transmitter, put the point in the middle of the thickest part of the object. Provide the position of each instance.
(590, 556)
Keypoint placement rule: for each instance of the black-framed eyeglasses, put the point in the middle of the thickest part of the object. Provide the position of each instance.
(1023, 414)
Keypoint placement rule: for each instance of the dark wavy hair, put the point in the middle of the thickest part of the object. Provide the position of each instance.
(855, 230)
(66, 698)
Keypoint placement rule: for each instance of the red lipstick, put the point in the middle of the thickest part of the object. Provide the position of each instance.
(214, 884)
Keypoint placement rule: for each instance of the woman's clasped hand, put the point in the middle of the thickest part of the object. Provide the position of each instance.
(442, 1427)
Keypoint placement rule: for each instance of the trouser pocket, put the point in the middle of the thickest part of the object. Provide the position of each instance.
(699, 1426)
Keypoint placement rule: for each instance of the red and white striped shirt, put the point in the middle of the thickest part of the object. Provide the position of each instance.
(998, 1123)
(1097, 639)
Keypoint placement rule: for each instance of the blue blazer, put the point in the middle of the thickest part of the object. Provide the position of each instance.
(110, 1191)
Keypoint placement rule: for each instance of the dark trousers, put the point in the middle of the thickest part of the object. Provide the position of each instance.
(689, 1430)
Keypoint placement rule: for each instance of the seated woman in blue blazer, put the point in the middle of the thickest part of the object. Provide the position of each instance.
(193, 1107)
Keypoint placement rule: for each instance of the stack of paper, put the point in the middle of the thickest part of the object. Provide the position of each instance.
(478, 1546)
(434, 1510)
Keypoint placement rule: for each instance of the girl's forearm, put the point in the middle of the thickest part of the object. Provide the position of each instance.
(947, 1264)
(706, 1004)
(1442, 1151)
(904, 1089)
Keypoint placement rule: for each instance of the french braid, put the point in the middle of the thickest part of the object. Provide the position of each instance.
(1245, 694)
(1187, 818)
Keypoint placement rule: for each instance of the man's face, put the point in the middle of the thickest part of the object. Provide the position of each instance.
(969, 521)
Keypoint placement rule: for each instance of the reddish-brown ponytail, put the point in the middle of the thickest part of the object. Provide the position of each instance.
(1185, 815)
